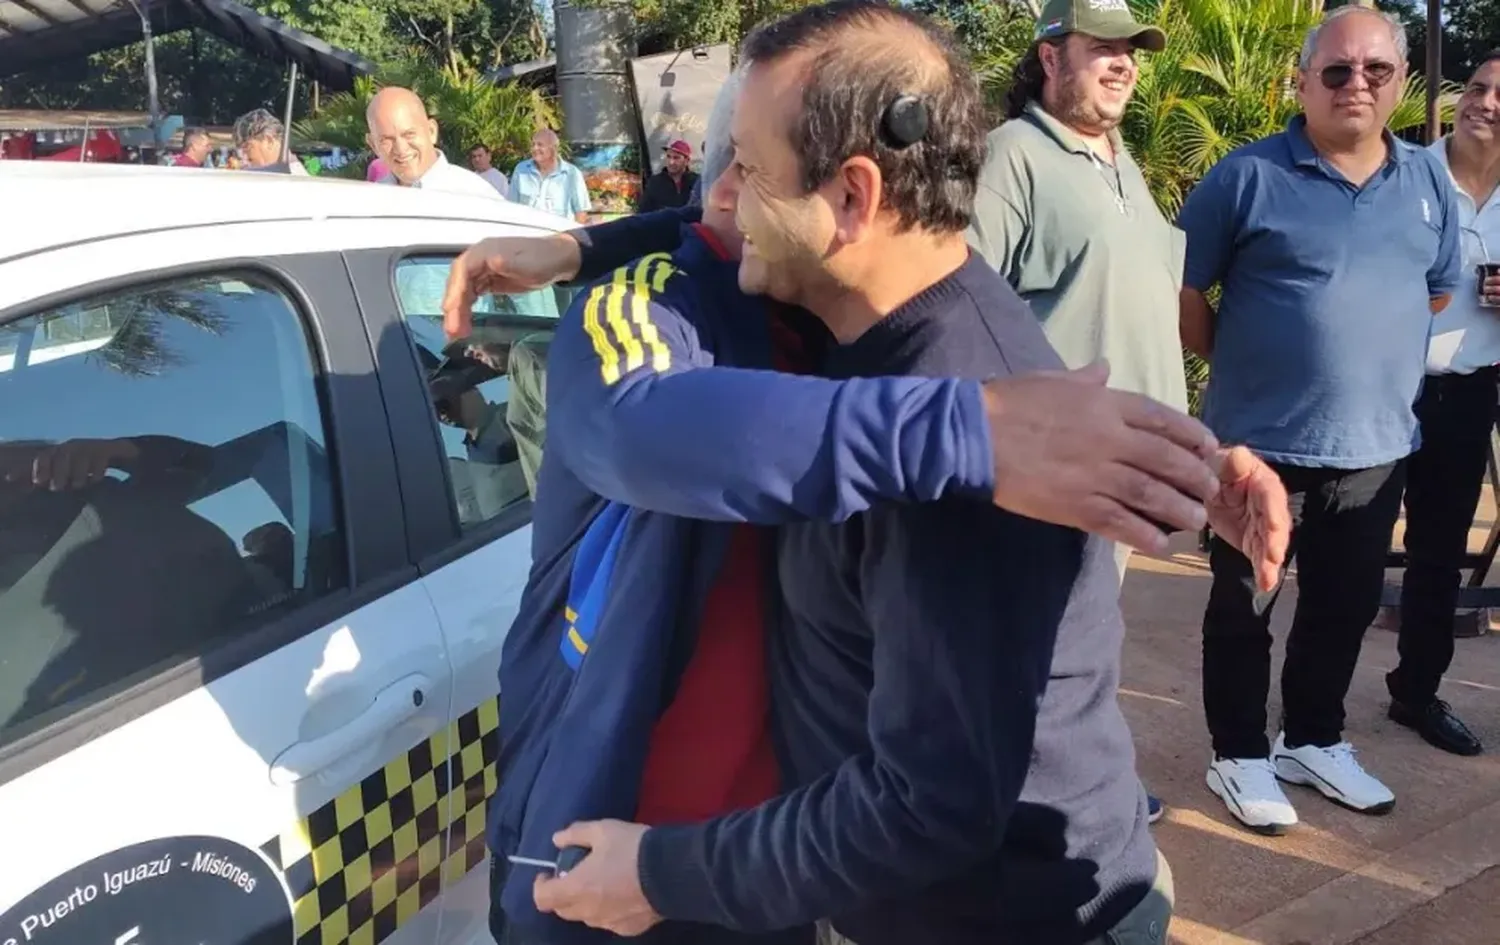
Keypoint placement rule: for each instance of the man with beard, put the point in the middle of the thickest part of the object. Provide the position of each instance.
(943, 675)
(1065, 216)
(1457, 412)
(1334, 243)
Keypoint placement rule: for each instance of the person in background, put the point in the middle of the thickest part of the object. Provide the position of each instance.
(195, 148)
(673, 185)
(1456, 410)
(1333, 242)
(479, 162)
(695, 196)
(1064, 214)
(546, 182)
(376, 171)
(258, 136)
(406, 139)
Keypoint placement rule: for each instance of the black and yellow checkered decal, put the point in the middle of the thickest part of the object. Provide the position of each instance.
(366, 862)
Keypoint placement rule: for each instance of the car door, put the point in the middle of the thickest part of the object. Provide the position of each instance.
(468, 462)
(224, 695)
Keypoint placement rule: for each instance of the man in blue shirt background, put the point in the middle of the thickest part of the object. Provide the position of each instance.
(1333, 243)
(546, 182)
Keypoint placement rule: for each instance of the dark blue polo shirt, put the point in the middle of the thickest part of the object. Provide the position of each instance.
(1321, 338)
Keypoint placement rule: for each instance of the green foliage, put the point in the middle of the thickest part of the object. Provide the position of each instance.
(468, 109)
(996, 35)
(1473, 28)
(210, 81)
(681, 24)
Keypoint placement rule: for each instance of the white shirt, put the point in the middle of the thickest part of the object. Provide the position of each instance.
(1465, 336)
(450, 178)
(496, 180)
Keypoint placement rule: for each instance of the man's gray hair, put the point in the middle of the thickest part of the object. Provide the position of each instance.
(258, 124)
(1397, 28)
(718, 150)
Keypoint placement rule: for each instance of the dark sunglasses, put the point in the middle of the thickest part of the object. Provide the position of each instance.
(1341, 74)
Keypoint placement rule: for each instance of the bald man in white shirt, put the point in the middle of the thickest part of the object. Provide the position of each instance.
(406, 139)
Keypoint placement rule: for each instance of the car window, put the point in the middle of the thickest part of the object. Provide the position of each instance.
(165, 484)
(488, 390)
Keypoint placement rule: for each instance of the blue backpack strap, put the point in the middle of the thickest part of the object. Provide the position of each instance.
(588, 587)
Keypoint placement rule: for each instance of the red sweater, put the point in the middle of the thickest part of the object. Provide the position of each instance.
(711, 750)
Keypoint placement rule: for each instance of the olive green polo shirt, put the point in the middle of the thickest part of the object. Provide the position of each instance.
(1084, 243)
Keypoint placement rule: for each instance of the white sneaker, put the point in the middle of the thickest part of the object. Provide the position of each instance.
(1335, 772)
(1248, 787)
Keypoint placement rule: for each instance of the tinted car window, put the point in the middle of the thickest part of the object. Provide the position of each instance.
(165, 484)
(488, 390)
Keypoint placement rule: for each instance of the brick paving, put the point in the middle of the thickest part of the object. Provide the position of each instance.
(1426, 874)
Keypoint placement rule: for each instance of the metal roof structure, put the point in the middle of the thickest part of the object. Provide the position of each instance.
(35, 33)
(27, 119)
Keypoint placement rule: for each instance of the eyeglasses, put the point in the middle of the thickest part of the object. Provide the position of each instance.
(1340, 74)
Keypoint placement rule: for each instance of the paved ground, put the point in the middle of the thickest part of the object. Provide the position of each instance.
(1426, 874)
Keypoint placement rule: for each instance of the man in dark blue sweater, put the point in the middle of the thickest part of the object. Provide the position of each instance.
(944, 680)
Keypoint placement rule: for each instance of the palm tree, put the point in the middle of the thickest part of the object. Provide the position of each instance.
(139, 346)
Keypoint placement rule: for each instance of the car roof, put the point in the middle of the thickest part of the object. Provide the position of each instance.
(52, 204)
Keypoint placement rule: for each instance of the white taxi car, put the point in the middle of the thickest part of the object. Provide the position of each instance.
(261, 536)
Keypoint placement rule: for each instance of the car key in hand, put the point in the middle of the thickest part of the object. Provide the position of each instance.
(567, 860)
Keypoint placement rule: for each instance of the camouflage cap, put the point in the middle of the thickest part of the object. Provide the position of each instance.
(1104, 19)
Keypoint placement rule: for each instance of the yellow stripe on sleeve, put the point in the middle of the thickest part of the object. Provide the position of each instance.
(614, 308)
(609, 358)
(622, 340)
(640, 309)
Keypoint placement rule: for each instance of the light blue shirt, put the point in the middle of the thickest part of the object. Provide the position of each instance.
(563, 192)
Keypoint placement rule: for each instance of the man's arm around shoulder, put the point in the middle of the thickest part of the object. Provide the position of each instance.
(640, 414)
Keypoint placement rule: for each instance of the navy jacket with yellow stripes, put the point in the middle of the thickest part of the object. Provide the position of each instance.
(665, 424)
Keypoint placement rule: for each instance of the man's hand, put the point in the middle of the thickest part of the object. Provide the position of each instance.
(604, 891)
(1490, 291)
(1251, 513)
(504, 265)
(1070, 451)
(73, 464)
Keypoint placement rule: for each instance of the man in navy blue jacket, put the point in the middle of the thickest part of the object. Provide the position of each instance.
(934, 798)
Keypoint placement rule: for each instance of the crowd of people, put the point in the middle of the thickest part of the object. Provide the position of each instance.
(822, 638)
(403, 141)
(398, 122)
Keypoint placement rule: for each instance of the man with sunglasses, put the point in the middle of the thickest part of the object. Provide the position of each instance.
(1457, 412)
(1333, 244)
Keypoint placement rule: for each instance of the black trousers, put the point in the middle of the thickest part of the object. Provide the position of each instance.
(1443, 482)
(1341, 531)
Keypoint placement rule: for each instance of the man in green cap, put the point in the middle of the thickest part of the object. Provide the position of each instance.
(1065, 216)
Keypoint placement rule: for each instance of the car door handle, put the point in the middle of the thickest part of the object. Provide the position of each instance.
(395, 704)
